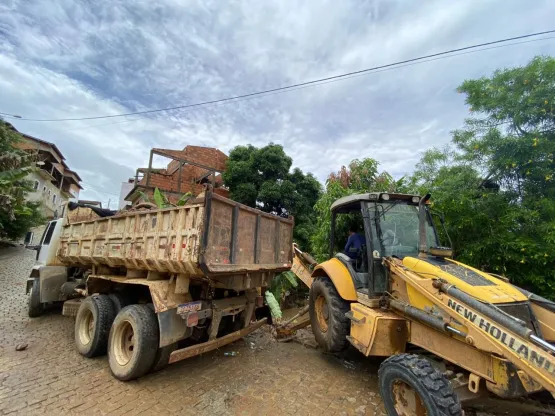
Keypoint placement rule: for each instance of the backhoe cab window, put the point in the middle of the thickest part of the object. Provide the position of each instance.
(397, 229)
(344, 223)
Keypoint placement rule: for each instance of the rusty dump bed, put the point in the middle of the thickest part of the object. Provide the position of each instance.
(213, 236)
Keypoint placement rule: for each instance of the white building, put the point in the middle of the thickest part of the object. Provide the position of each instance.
(126, 187)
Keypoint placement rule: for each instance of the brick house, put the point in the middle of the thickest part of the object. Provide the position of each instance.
(189, 169)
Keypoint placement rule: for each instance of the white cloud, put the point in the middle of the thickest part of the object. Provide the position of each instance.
(75, 59)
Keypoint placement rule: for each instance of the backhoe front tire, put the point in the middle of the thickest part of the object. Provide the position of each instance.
(410, 385)
(92, 325)
(133, 343)
(327, 315)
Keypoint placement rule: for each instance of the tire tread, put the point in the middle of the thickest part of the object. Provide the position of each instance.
(339, 325)
(435, 383)
(104, 312)
(145, 320)
(35, 307)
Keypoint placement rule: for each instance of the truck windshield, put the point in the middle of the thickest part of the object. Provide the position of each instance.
(397, 231)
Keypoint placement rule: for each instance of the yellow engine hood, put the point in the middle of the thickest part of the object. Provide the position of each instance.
(474, 282)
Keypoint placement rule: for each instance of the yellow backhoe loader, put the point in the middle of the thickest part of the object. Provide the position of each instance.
(451, 332)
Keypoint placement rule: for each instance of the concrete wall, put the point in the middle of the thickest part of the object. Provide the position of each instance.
(48, 194)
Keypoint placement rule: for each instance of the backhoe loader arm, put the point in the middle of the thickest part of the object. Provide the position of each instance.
(481, 325)
(302, 265)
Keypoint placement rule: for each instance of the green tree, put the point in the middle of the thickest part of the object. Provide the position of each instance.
(360, 176)
(496, 186)
(16, 214)
(261, 178)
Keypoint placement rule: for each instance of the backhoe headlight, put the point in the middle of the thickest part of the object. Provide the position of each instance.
(385, 197)
(416, 199)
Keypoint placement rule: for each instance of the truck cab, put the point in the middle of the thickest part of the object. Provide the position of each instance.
(45, 284)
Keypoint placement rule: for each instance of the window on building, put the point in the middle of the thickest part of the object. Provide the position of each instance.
(49, 192)
(53, 199)
(44, 188)
(36, 185)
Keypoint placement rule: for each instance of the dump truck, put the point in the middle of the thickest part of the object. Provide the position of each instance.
(154, 287)
(449, 332)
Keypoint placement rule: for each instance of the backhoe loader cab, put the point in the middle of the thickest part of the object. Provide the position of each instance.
(451, 331)
(391, 224)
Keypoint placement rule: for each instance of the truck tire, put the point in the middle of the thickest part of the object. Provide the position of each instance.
(36, 308)
(92, 325)
(409, 383)
(327, 315)
(133, 342)
(162, 358)
(119, 300)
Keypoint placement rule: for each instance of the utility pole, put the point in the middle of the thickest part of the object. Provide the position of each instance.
(109, 199)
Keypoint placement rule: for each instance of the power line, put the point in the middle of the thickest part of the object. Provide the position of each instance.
(302, 84)
(330, 81)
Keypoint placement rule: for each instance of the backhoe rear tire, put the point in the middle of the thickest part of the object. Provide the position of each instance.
(410, 385)
(92, 325)
(133, 342)
(327, 315)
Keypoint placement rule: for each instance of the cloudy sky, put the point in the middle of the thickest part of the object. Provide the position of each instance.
(68, 58)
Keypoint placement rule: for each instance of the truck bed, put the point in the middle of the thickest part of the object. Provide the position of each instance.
(212, 236)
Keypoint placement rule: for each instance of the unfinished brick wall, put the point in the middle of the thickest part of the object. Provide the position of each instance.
(168, 181)
(207, 156)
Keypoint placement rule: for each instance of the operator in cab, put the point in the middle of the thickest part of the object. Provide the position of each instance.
(354, 243)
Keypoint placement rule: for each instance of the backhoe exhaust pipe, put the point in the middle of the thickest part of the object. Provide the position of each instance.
(490, 311)
(423, 244)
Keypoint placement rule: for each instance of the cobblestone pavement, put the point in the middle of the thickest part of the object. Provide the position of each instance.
(267, 377)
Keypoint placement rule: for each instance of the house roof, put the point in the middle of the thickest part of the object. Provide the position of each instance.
(52, 145)
(54, 148)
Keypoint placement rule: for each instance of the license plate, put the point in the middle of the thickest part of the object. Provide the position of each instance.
(189, 307)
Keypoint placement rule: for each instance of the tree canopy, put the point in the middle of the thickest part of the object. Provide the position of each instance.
(360, 176)
(16, 214)
(262, 178)
(495, 183)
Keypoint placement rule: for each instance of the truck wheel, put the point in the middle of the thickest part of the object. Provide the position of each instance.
(133, 342)
(409, 385)
(92, 325)
(162, 358)
(119, 300)
(36, 308)
(327, 315)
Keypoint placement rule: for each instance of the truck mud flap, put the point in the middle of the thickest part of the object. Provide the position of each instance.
(198, 349)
